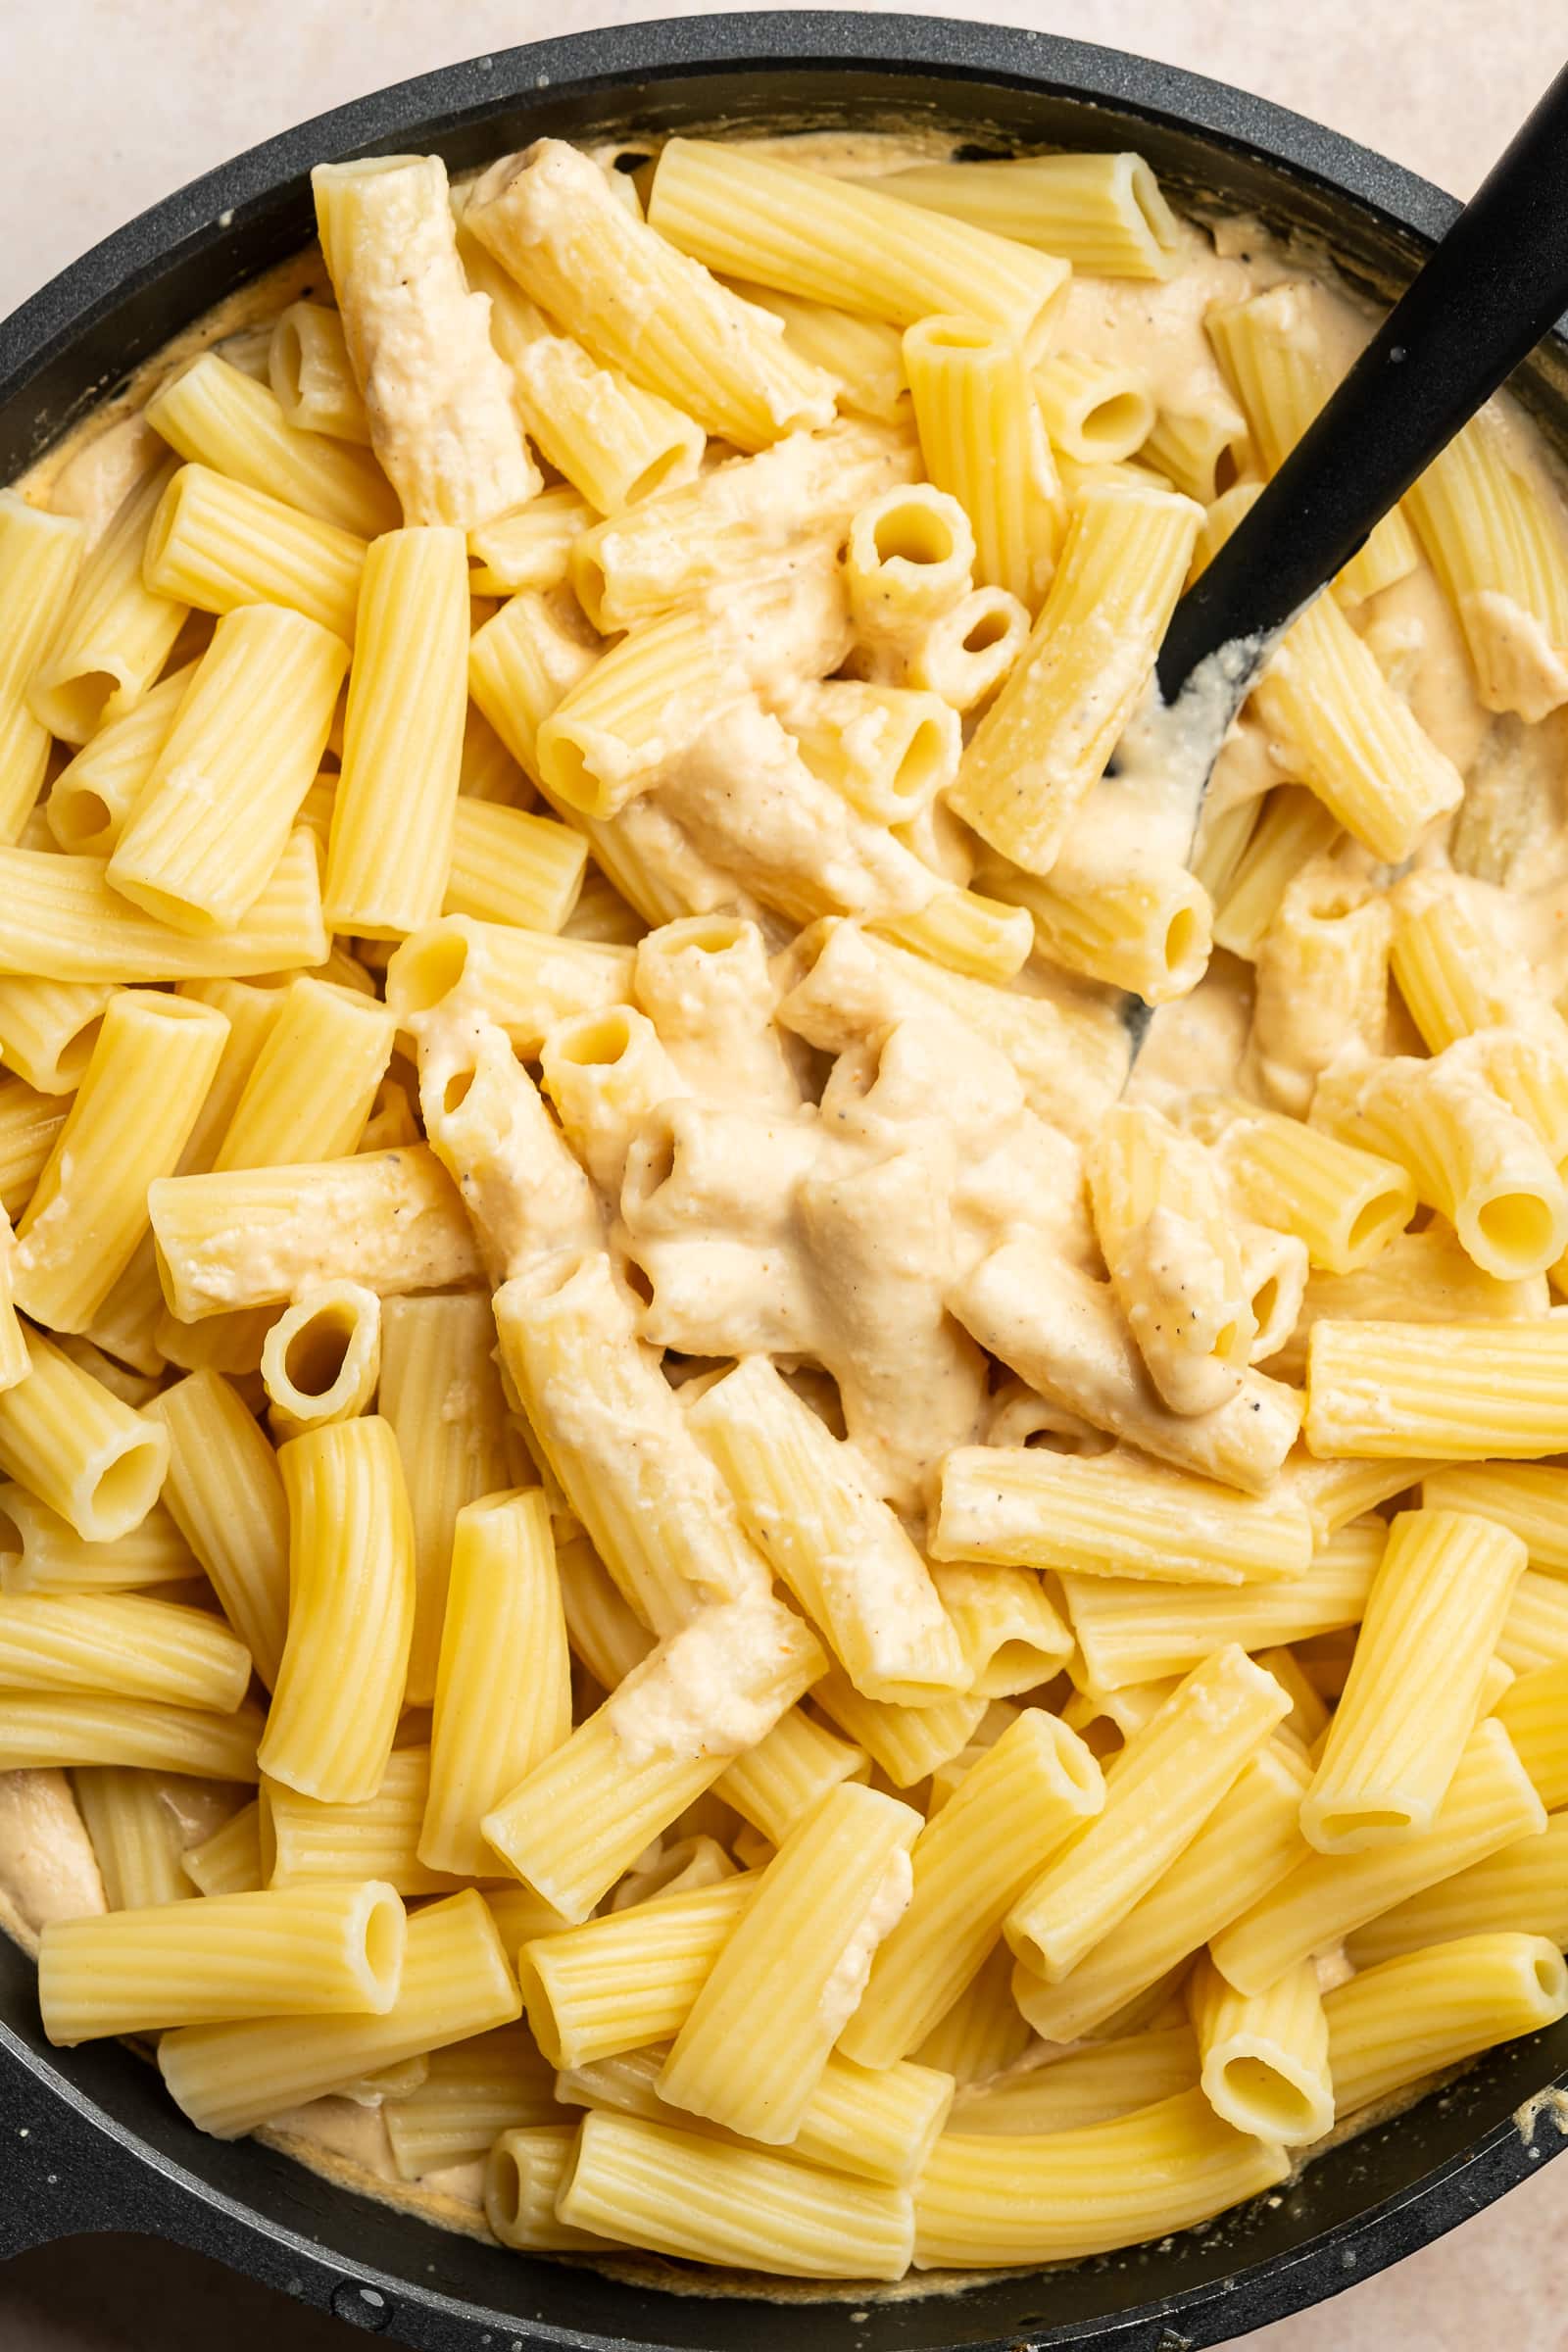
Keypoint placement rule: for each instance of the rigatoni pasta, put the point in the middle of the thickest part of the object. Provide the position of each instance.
(968, 1641)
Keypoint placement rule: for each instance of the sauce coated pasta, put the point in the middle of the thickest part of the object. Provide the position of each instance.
(673, 1576)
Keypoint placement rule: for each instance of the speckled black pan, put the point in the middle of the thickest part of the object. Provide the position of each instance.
(88, 2139)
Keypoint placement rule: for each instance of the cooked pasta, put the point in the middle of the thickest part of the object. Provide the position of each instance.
(613, 1400)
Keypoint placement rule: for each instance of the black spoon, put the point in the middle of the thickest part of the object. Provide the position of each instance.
(1482, 303)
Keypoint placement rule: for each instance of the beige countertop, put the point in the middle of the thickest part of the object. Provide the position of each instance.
(106, 105)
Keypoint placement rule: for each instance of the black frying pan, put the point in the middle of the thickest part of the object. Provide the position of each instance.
(89, 2138)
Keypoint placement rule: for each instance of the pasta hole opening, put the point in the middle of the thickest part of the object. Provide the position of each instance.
(653, 478)
(126, 1489)
(384, 1939)
(1371, 1218)
(1519, 1227)
(315, 1357)
(81, 818)
(569, 774)
(11, 1539)
(1116, 424)
(708, 933)
(637, 1282)
(1268, 2099)
(83, 700)
(1074, 1754)
(913, 534)
(265, 1834)
(955, 334)
(653, 1160)
(1352, 1826)
(505, 2186)
(285, 361)
(1225, 1342)
(596, 1044)
(74, 1054)
(986, 630)
(1227, 470)
(429, 976)
(1183, 939)
(457, 1090)
(591, 581)
(1266, 1302)
(920, 771)
(1552, 1976)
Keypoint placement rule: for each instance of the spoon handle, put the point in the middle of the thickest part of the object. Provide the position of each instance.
(1482, 303)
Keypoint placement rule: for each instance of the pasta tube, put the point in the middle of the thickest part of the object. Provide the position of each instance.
(793, 1971)
(1265, 2057)
(395, 1220)
(1105, 214)
(377, 1836)
(502, 1693)
(1490, 1803)
(214, 816)
(128, 1123)
(390, 853)
(682, 2193)
(454, 453)
(1432, 1620)
(847, 243)
(223, 1495)
(1020, 1802)
(808, 1503)
(40, 556)
(583, 1815)
(290, 1953)
(455, 1982)
(627, 1978)
(215, 544)
(73, 1445)
(552, 221)
(984, 442)
(1377, 1391)
(1045, 741)
(994, 2198)
(1113, 1514)
(115, 631)
(216, 414)
(350, 1612)
(123, 1645)
(321, 1358)
(1409, 2017)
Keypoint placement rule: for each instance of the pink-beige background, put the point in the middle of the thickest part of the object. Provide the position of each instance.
(105, 106)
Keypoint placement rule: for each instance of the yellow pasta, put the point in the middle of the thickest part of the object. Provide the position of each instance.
(1405, 1389)
(41, 1732)
(393, 817)
(1105, 214)
(312, 379)
(628, 1978)
(60, 920)
(511, 867)
(456, 1982)
(996, 2198)
(1264, 2057)
(456, 456)
(1087, 2085)
(128, 1123)
(321, 1358)
(225, 1497)
(216, 416)
(1411, 2016)
(350, 1612)
(215, 813)
(843, 242)
(1433, 1618)
(375, 1836)
(793, 1971)
(218, 545)
(808, 1503)
(1020, 1802)
(493, 2083)
(311, 1081)
(1491, 1802)
(40, 556)
(984, 442)
(135, 1836)
(117, 628)
(1045, 741)
(123, 1645)
(1113, 1514)
(502, 1693)
(682, 2193)
(73, 1445)
(549, 218)
(296, 1951)
(229, 1861)
(1170, 1777)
